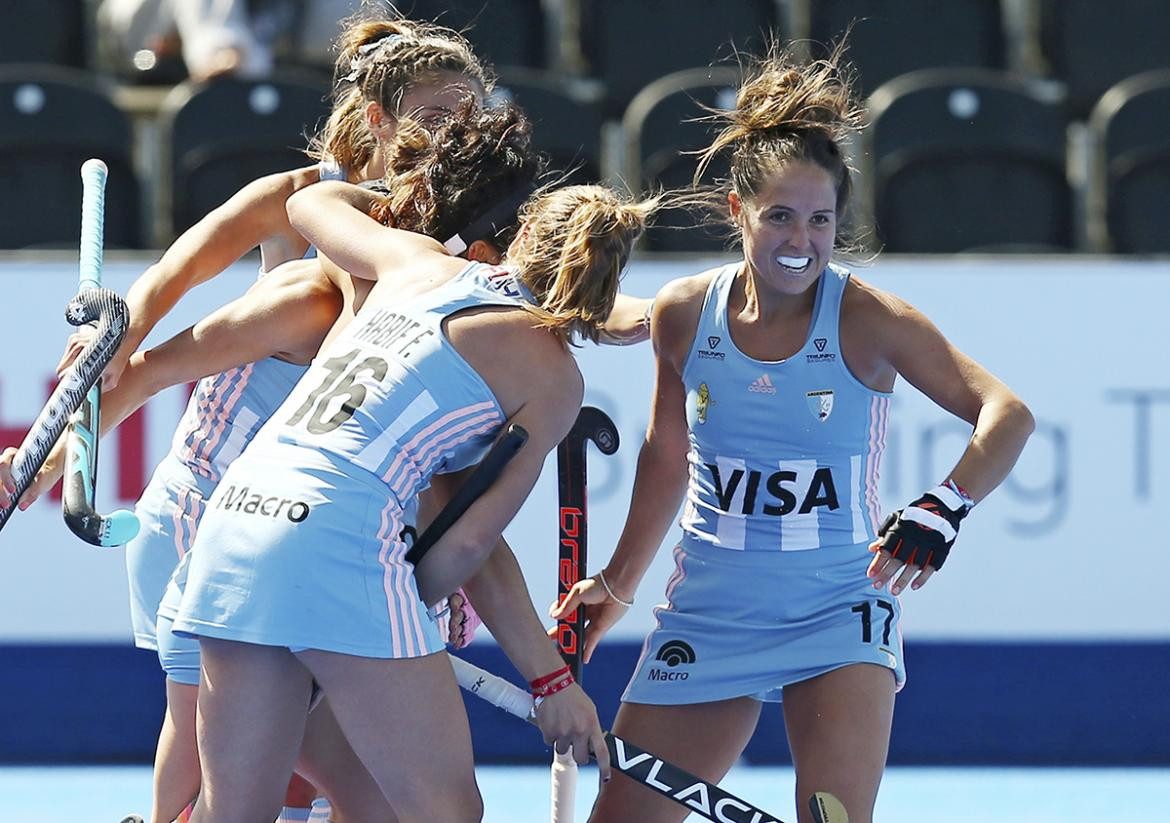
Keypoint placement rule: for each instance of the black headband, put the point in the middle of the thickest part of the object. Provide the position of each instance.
(491, 222)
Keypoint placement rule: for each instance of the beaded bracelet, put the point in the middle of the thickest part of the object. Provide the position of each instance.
(609, 591)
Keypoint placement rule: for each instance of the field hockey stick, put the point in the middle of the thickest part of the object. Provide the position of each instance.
(501, 452)
(109, 311)
(81, 441)
(572, 522)
(697, 795)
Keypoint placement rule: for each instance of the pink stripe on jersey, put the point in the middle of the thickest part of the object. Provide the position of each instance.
(188, 511)
(225, 410)
(406, 450)
(879, 408)
(209, 390)
(455, 436)
(678, 575)
(388, 533)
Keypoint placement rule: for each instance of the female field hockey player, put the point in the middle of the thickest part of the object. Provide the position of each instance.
(385, 69)
(440, 356)
(774, 377)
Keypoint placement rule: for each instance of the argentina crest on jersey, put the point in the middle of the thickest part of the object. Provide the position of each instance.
(820, 403)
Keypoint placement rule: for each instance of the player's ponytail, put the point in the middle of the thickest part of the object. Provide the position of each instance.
(573, 245)
(784, 111)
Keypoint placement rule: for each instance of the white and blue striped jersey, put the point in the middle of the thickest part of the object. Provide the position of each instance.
(783, 455)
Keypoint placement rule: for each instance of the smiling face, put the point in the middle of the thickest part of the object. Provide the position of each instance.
(788, 226)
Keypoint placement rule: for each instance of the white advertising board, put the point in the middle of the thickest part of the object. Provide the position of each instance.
(1070, 547)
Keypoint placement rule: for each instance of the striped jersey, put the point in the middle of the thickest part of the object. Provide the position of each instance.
(783, 455)
(391, 402)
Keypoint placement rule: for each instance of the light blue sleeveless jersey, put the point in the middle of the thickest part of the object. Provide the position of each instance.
(783, 455)
(770, 584)
(304, 542)
(224, 413)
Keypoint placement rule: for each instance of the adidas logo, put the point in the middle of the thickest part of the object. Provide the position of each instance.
(762, 385)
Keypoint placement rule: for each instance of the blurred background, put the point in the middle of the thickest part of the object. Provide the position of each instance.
(1015, 177)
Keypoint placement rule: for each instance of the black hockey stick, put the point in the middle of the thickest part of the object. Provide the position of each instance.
(501, 452)
(572, 524)
(81, 440)
(112, 317)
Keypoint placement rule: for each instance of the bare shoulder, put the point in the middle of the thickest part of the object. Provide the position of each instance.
(677, 308)
(865, 304)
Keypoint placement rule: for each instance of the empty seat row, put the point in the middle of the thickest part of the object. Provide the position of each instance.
(1086, 45)
(952, 160)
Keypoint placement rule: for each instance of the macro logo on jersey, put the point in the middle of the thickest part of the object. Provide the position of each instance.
(673, 653)
(762, 385)
(394, 332)
(703, 402)
(710, 352)
(820, 403)
(781, 493)
(821, 355)
(272, 507)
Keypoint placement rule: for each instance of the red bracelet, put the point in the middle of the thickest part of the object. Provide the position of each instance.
(551, 684)
(552, 688)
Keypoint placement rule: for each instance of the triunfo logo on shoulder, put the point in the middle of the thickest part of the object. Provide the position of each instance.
(673, 653)
(821, 356)
(246, 501)
(710, 352)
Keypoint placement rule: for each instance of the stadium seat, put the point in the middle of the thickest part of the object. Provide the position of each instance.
(1090, 45)
(566, 114)
(893, 37)
(503, 32)
(44, 31)
(224, 134)
(53, 119)
(1130, 180)
(968, 160)
(629, 45)
(660, 128)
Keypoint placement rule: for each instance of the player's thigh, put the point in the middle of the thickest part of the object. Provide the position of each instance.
(251, 715)
(839, 733)
(703, 738)
(405, 720)
(328, 760)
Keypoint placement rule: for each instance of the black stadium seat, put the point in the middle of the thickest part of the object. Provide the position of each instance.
(630, 44)
(893, 37)
(566, 114)
(1130, 188)
(1090, 45)
(968, 159)
(52, 120)
(661, 129)
(43, 31)
(224, 134)
(503, 32)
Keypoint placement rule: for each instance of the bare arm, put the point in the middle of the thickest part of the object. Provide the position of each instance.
(927, 360)
(661, 477)
(253, 215)
(335, 217)
(629, 322)
(286, 313)
(465, 546)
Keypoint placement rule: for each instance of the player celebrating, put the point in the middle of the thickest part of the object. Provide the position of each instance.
(773, 386)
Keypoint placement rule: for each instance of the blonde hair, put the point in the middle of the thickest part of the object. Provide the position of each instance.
(788, 111)
(573, 245)
(380, 59)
